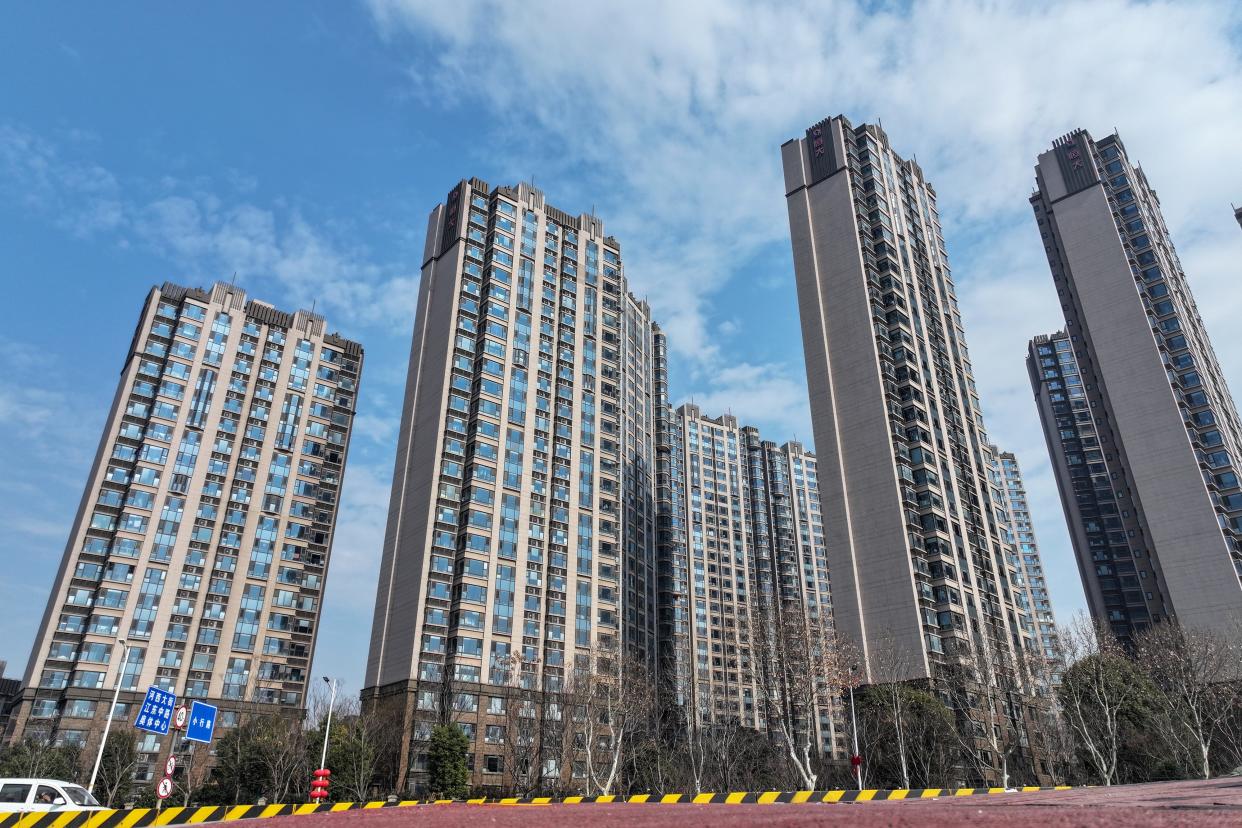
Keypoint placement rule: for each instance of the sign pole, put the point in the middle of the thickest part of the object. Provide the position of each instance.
(156, 716)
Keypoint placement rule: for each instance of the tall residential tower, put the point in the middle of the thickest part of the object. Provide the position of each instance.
(922, 579)
(1143, 432)
(204, 533)
(1007, 478)
(522, 512)
(911, 537)
(751, 550)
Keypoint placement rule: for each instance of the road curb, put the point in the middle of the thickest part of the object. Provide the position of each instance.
(194, 815)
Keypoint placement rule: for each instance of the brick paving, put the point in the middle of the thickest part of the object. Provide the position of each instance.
(1158, 805)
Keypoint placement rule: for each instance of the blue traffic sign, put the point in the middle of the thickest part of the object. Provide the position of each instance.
(156, 711)
(202, 722)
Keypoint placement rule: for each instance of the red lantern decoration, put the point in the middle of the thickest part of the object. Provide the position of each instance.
(319, 785)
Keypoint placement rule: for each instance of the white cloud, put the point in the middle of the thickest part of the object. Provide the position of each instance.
(80, 196)
(262, 246)
(279, 254)
(208, 239)
(668, 116)
(770, 394)
(381, 429)
(49, 440)
(38, 417)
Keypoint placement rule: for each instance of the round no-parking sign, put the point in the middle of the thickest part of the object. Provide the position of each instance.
(164, 789)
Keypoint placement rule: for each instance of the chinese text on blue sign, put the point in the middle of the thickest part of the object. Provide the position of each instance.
(202, 722)
(156, 711)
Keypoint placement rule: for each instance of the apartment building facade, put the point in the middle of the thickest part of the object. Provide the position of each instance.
(525, 463)
(1143, 432)
(705, 594)
(1009, 491)
(790, 577)
(922, 582)
(199, 553)
(750, 548)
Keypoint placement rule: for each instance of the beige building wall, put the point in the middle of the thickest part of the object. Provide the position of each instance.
(750, 546)
(205, 529)
(719, 600)
(503, 564)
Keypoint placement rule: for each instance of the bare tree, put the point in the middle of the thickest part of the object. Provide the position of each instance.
(1056, 741)
(524, 726)
(281, 741)
(989, 694)
(727, 749)
(655, 754)
(193, 773)
(614, 695)
(696, 741)
(801, 669)
(929, 736)
(1095, 694)
(890, 664)
(38, 756)
(1197, 672)
(363, 744)
(116, 771)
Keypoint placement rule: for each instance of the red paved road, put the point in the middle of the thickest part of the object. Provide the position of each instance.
(1160, 805)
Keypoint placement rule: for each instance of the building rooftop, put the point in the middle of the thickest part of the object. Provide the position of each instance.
(526, 191)
(261, 311)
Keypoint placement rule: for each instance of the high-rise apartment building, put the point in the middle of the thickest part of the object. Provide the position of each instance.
(790, 566)
(522, 510)
(1010, 491)
(638, 402)
(1143, 432)
(921, 583)
(705, 594)
(751, 547)
(205, 530)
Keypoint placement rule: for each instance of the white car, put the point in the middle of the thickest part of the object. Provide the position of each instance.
(33, 795)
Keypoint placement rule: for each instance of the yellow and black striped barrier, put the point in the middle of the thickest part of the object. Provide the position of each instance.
(193, 815)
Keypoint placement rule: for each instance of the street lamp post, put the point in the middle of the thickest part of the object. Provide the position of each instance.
(116, 694)
(323, 757)
(856, 759)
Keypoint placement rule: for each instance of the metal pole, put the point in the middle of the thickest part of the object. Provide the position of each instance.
(854, 728)
(116, 694)
(323, 757)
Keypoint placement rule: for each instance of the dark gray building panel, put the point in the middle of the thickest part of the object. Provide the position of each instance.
(1163, 426)
(918, 573)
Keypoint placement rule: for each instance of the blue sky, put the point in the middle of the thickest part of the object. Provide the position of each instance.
(301, 146)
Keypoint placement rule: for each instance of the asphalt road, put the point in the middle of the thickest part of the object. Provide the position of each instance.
(1158, 805)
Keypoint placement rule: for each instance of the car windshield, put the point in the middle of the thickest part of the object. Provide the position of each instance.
(81, 796)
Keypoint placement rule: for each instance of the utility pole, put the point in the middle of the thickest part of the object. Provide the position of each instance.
(856, 759)
(323, 757)
(116, 694)
(320, 778)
